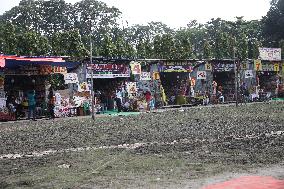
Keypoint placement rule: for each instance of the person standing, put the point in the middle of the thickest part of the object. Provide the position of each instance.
(51, 102)
(31, 104)
(118, 100)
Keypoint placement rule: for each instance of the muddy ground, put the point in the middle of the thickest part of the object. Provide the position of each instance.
(184, 148)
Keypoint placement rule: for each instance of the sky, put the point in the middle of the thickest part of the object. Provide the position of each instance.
(177, 13)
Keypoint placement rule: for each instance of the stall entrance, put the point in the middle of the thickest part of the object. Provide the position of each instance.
(105, 90)
(226, 82)
(176, 86)
(268, 81)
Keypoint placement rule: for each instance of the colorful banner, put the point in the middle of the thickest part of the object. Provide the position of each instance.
(201, 74)
(71, 78)
(146, 76)
(135, 68)
(257, 65)
(272, 54)
(249, 74)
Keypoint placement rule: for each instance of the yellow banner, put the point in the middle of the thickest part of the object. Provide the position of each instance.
(257, 65)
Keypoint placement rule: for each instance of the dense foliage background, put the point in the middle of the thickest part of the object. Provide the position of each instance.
(57, 28)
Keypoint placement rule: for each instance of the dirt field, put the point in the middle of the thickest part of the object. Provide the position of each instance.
(172, 149)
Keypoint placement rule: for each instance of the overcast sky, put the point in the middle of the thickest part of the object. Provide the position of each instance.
(177, 13)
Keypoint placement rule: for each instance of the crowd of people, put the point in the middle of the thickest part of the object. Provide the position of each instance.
(19, 106)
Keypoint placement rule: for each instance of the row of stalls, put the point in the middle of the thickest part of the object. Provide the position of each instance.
(139, 84)
(185, 80)
(19, 75)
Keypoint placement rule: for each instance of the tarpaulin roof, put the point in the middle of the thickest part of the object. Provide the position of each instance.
(12, 63)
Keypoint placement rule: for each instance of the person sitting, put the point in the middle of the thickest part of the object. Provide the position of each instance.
(220, 96)
(126, 106)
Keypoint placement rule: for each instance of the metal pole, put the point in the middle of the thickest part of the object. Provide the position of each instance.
(92, 80)
(236, 77)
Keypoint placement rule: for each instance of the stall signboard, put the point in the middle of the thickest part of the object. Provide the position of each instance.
(176, 66)
(109, 70)
(71, 78)
(268, 67)
(257, 65)
(145, 76)
(248, 74)
(223, 67)
(271, 54)
(201, 74)
(131, 89)
(57, 69)
(135, 68)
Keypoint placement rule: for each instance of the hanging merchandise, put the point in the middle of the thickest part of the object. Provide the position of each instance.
(201, 74)
(248, 74)
(145, 76)
(257, 65)
(135, 68)
(71, 78)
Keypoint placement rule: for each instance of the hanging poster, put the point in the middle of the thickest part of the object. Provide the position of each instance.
(135, 68)
(201, 74)
(145, 76)
(109, 70)
(276, 67)
(208, 67)
(71, 78)
(244, 66)
(248, 74)
(156, 76)
(257, 65)
(131, 89)
(83, 87)
(272, 54)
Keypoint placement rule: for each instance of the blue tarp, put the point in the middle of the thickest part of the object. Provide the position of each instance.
(10, 63)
